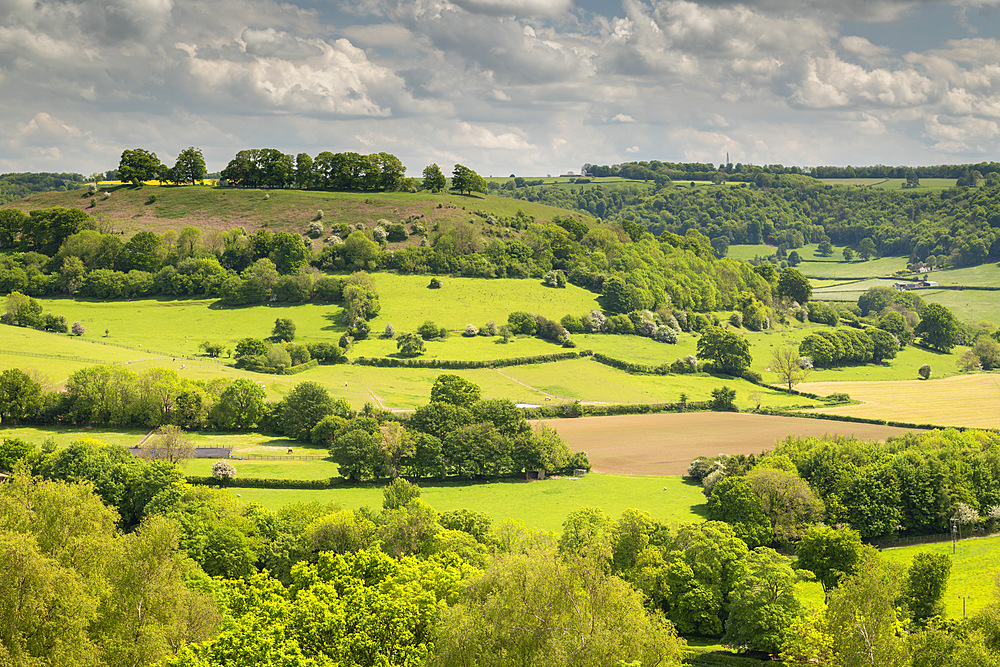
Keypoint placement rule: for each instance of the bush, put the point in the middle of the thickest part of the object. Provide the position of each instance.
(924, 372)
(429, 330)
(389, 331)
(223, 471)
(471, 330)
(78, 329)
(723, 400)
(490, 329)
(435, 284)
(521, 322)
(665, 334)
(736, 319)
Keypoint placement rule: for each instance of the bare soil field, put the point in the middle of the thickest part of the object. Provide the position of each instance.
(664, 444)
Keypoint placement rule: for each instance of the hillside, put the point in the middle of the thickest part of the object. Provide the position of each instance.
(160, 208)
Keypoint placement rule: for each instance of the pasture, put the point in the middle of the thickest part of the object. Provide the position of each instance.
(664, 444)
(213, 210)
(542, 505)
(962, 400)
(975, 569)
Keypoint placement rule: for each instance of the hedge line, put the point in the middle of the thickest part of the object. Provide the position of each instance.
(293, 370)
(391, 362)
(266, 482)
(629, 367)
(858, 420)
(569, 410)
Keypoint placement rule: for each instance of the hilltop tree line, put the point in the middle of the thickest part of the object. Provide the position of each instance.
(16, 186)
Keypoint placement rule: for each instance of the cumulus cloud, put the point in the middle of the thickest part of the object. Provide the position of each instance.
(632, 149)
(622, 118)
(482, 137)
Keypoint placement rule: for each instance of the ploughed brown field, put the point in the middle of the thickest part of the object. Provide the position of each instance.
(664, 444)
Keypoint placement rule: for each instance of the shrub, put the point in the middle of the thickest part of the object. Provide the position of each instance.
(389, 331)
(435, 284)
(736, 319)
(470, 330)
(316, 228)
(429, 330)
(223, 471)
(924, 372)
(490, 329)
(521, 322)
(723, 399)
(665, 334)
(78, 329)
(380, 235)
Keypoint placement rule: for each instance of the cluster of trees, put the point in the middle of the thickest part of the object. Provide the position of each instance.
(846, 346)
(913, 485)
(17, 186)
(270, 168)
(456, 434)
(24, 311)
(138, 165)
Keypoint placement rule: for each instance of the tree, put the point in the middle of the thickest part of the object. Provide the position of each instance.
(303, 408)
(787, 365)
(787, 500)
(848, 254)
(138, 165)
(884, 344)
(78, 329)
(938, 328)
(284, 329)
(924, 372)
(434, 180)
(250, 347)
(734, 502)
(727, 351)
(863, 619)
(399, 493)
(926, 580)
(455, 390)
(867, 250)
(465, 180)
(168, 443)
(825, 248)
(830, 554)
(410, 344)
(575, 614)
(763, 605)
(429, 330)
(22, 311)
(190, 166)
(794, 285)
(213, 350)
(20, 396)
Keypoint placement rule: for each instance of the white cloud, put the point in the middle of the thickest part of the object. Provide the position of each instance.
(860, 46)
(622, 118)
(481, 137)
(632, 149)
(516, 7)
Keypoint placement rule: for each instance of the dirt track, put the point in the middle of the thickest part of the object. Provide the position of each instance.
(664, 444)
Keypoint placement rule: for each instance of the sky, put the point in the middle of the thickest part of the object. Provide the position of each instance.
(526, 87)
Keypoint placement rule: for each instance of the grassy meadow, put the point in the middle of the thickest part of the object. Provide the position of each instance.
(974, 571)
(544, 504)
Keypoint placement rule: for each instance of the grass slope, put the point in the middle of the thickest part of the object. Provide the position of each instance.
(215, 209)
(974, 569)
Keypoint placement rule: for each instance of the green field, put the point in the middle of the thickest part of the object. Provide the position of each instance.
(544, 504)
(984, 275)
(826, 268)
(974, 570)
(893, 183)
